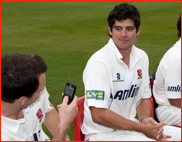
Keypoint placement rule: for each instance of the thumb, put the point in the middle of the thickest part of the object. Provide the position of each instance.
(162, 124)
(154, 122)
(65, 100)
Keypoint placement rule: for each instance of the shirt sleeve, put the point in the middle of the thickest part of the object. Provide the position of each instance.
(97, 86)
(146, 84)
(172, 76)
(47, 106)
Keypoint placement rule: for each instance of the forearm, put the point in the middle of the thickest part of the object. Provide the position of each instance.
(144, 108)
(67, 138)
(61, 133)
(110, 119)
(175, 102)
(52, 121)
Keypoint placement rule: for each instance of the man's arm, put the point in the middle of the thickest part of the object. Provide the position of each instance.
(59, 124)
(52, 121)
(66, 115)
(144, 108)
(110, 119)
(175, 102)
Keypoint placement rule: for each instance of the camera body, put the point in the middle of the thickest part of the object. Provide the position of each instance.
(69, 91)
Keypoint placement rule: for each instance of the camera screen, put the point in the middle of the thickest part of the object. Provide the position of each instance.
(69, 90)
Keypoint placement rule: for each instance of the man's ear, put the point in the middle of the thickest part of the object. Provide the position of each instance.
(138, 32)
(22, 100)
(109, 30)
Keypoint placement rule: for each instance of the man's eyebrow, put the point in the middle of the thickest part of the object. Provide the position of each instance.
(117, 27)
(126, 26)
(130, 27)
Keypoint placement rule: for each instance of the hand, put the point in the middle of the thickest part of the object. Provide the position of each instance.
(163, 137)
(155, 131)
(150, 120)
(67, 112)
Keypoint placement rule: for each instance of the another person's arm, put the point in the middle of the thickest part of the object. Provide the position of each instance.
(66, 116)
(58, 124)
(175, 102)
(172, 75)
(52, 121)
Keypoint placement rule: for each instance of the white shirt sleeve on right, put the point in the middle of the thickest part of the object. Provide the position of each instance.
(172, 75)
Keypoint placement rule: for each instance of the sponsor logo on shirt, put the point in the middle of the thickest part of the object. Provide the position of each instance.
(125, 94)
(95, 94)
(174, 88)
(118, 78)
(39, 115)
(139, 73)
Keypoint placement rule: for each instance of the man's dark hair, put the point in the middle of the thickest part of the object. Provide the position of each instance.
(122, 12)
(179, 26)
(20, 75)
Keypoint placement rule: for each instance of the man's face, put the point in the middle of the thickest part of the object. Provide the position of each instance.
(124, 34)
(36, 95)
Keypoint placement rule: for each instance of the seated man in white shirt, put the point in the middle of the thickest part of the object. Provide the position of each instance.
(167, 84)
(117, 86)
(25, 104)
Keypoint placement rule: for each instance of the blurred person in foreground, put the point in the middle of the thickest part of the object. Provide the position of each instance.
(25, 104)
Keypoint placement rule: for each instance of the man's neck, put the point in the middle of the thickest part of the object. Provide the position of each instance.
(11, 110)
(126, 56)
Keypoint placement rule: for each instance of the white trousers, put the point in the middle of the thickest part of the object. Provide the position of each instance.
(121, 135)
(169, 114)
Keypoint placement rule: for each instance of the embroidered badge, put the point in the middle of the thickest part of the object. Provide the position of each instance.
(39, 115)
(139, 73)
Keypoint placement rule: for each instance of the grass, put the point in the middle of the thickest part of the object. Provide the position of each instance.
(67, 33)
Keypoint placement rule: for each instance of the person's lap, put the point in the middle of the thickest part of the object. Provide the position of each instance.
(118, 135)
(169, 114)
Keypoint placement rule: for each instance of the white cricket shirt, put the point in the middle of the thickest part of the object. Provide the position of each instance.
(109, 83)
(28, 128)
(167, 82)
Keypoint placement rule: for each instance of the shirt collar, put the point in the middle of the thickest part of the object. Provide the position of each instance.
(11, 124)
(179, 43)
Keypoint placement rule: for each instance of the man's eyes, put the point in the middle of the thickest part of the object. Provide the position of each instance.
(118, 29)
(130, 29)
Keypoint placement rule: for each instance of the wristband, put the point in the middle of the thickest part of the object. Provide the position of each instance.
(143, 118)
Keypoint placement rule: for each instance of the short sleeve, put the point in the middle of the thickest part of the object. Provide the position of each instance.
(146, 84)
(46, 95)
(97, 86)
(172, 76)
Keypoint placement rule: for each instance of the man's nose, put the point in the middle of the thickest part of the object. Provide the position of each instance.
(123, 33)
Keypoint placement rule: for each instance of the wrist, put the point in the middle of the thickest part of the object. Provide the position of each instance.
(143, 118)
(61, 133)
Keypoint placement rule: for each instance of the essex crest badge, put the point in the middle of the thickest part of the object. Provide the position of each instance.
(139, 73)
